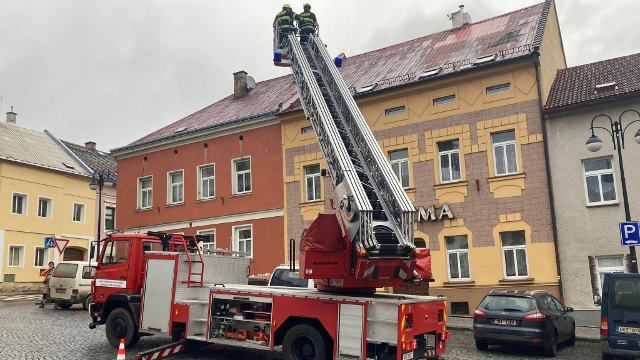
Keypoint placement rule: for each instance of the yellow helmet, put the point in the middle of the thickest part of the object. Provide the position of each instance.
(306, 5)
(286, 6)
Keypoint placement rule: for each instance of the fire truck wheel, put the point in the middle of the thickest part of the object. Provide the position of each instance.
(303, 342)
(120, 325)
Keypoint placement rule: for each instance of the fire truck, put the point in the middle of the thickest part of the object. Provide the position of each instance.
(160, 283)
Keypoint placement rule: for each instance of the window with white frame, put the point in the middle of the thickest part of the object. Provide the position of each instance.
(312, 181)
(44, 207)
(176, 187)
(599, 181)
(242, 175)
(505, 156)
(449, 158)
(458, 257)
(78, 212)
(514, 250)
(19, 204)
(399, 161)
(498, 88)
(243, 239)
(206, 182)
(41, 257)
(210, 242)
(109, 218)
(609, 264)
(16, 256)
(444, 100)
(145, 198)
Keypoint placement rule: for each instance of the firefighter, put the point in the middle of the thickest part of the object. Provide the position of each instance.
(307, 23)
(284, 21)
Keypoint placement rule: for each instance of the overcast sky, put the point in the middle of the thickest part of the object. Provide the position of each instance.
(114, 71)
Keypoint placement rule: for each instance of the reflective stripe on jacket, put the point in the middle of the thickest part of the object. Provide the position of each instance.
(284, 19)
(307, 20)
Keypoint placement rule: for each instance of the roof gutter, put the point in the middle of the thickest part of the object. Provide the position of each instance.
(598, 101)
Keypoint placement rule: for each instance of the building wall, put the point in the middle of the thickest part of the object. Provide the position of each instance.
(551, 52)
(30, 230)
(108, 200)
(483, 204)
(585, 230)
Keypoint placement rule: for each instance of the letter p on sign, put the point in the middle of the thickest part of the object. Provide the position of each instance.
(630, 233)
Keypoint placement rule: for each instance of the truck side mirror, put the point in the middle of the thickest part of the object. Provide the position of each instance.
(92, 253)
(568, 309)
(597, 300)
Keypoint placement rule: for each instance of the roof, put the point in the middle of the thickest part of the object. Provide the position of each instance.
(36, 148)
(576, 86)
(509, 36)
(95, 159)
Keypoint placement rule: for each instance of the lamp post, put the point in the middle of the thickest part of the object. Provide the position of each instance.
(617, 133)
(100, 179)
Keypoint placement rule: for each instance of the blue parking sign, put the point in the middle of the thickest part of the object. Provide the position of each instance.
(630, 233)
(49, 243)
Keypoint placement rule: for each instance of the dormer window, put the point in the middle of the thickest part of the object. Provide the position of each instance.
(485, 59)
(429, 73)
(180, 130)
(366, 88)
(602, 88)
(68, 166)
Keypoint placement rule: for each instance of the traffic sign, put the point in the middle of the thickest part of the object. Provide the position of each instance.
(61, 244)
(630, 233)
(49, 243)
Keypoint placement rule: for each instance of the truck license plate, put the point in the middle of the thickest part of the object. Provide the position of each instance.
(61, 291)
(628, 330)
(505, 322)
(407, 356)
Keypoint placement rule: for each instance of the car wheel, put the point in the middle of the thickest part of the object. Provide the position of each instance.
(552, 349)
(482, 346)
(87, 302)
(572, 338)
(65, 306)
(607, 356)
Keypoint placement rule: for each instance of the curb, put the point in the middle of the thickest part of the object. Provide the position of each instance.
(468, 329)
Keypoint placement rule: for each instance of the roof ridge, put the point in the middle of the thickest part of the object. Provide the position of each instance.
(599, 62)
(84, 147)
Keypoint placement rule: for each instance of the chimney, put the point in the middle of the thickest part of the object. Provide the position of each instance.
(460, 18)
(11, 117)
(90, 145)
(239, 84)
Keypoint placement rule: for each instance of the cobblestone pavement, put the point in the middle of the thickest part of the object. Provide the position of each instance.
(27, 332)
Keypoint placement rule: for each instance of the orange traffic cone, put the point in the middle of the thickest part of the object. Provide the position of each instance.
(121, 352)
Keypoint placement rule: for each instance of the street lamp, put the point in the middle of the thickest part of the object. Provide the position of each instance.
(617, 133)
(100, 179)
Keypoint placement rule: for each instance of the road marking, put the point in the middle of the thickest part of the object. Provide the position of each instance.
(22, 297)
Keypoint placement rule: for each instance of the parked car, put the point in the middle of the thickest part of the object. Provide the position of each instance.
(620, 315)
(71, 284)
(281, 276)
(523, 317)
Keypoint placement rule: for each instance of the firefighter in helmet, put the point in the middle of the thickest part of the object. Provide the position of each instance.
(307, 23)
(284, 22)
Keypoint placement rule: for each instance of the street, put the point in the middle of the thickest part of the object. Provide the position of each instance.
(28, 332)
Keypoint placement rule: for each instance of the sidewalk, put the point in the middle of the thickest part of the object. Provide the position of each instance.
(583, 333)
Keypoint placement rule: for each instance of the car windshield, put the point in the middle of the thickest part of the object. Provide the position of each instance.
(281, 278)
(626, 294)
(65, 271)
(507, 303)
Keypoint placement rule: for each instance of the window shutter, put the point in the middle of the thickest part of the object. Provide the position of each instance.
(595, 279)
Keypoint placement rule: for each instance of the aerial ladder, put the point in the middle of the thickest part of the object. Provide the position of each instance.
(375, 212)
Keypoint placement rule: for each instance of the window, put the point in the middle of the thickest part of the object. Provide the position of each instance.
(306, 130)
(66, 271)
(599, 181)
(395, 110)
(505, 158)
(151, 246)
(366, 88)
(115, 252)
(145, 199)
(444, 100)
(420, 243)
(449, 155)
(626, 294)
(498, 88)
(243, 240)
(484, 59)
(19, 204)
(210, 242)
(16, 254)
(430, 72)
(44, 207)
(608, 264)
(88, 272)
(206, 182)
(176, 187)
(78, 212)
(242, 172)
(41, 257)
(312, 181)
(400, 164)
(110, 218)
(458, 257)
(514, 249)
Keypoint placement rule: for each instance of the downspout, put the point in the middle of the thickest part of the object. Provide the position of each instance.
(536, 63)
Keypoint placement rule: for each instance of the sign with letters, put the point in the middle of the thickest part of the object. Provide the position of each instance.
(430, 213)
(630, 233)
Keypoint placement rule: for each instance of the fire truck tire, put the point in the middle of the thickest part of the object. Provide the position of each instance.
(120, 325)
(303, 342)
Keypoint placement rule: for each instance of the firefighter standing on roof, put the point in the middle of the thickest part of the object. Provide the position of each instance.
(307, 23)
(284, 21)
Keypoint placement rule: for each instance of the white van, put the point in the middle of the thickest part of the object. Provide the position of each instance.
(71, 284)
(280, 277)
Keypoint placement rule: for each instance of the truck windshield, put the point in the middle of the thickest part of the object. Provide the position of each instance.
(65, 271)
(626, 293)
(281, 278)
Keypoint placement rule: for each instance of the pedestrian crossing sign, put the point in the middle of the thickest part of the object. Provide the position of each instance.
(49, 243)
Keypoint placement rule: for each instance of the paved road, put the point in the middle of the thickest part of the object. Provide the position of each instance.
(28, 332)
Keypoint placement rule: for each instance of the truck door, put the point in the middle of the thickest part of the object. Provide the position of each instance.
(114, 269)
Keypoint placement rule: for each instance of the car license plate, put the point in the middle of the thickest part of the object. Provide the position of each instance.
(61, 291)
(505, 322)
(628, 330)
(407, 356)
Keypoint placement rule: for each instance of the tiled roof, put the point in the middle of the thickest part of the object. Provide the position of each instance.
(95, 159)
(36, 148)
(509, 36)
(576, 85)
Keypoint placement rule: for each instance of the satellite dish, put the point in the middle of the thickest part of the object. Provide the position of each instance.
(251, 82)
